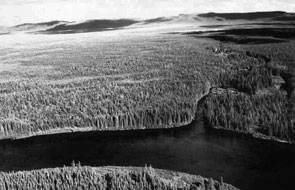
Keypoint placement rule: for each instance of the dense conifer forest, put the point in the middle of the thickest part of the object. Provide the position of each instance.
(105, 178)
(251, 100)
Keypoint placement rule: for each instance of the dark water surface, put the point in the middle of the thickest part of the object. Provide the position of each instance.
(243, 161)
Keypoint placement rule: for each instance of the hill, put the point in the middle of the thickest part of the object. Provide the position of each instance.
(64, 27)
(248, 16)
(33, 27)
(91, 26)
(181, 21)
(3, 30)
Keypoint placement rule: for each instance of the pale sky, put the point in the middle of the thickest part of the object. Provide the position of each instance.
(14, 12)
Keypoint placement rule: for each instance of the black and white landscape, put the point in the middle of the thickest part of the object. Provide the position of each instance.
(192, 101)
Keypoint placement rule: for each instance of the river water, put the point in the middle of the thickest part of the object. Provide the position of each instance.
(245, 162)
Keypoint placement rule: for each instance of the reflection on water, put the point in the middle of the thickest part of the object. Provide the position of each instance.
(242, 161)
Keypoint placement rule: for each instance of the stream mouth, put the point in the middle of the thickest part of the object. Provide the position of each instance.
(245, 162)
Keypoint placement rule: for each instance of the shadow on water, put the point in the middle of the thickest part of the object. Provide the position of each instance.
(242, 161)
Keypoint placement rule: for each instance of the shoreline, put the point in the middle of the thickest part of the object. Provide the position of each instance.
(117, 175)
(256, 135)
(69, 130)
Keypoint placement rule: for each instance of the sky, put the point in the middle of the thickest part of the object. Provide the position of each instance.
(13, 12)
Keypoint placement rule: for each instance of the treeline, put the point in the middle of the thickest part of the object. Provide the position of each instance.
(139, 120)
(271, 115)
(99, 105)
(107, 178)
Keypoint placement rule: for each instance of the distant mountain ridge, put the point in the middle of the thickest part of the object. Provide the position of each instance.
(91, 26)
(3, 30)
(41, 23)
(248, 16)
(33, 27)
(63, 27)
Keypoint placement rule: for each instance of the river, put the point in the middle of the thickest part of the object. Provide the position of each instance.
(242, 161)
